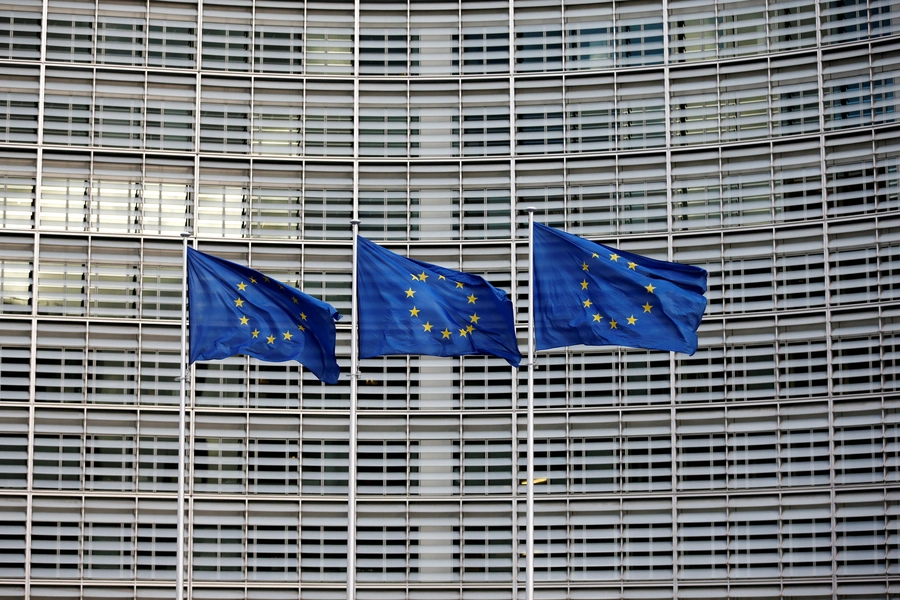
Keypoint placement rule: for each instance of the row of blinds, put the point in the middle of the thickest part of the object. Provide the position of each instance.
(745, 447)
(759, 184)
(719, 103)
(738, 359)
(816, 590)
(318, 37)
(754, 272)
(747, 536)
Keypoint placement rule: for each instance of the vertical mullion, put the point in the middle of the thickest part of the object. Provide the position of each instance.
(353, 434)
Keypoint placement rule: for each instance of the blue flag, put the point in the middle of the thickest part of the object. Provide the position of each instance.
(588, 293)
(236, 310)
(412, 307)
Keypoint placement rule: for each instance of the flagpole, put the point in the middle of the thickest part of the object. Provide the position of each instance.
(179, 538)
(529, 516)
(354, 387)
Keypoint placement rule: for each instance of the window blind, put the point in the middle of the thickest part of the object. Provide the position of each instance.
(383, 38)
(329, 37)
(434, 119)
(70, 31)
(121, 32)
(170, 113)
(109, 538)
(539, 36)
(16, 274)
(277, 118)
(539, 116)
(172, 34)
(18, 104)
(434, 39)
(225, 115)
(588, 35)
(12, 555)
(485, 39)
(218, 540)
(227, 35)
(278, 38)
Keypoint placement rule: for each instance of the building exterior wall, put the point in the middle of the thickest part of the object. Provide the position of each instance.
(756, 139)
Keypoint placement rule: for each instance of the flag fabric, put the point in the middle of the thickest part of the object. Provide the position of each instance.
(236, 310)
(411, 307)
(588, 293)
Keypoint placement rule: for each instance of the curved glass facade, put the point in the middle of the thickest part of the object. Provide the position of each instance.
(756, 139)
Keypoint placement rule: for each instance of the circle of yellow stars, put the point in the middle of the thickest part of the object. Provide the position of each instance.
(286, 336)
(596, 317)
(428, 326)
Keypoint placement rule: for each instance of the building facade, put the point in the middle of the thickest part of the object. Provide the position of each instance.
(756, 139)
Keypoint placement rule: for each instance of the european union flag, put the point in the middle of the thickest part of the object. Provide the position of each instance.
(236, 310)
(412, 307)
(588, 293)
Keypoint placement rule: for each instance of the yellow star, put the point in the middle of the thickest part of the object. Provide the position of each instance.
(647, 307)
(303, 316)
(472, 299)
(474, 318)
(427, 326)
(423, 276)
(469, 328)
(294, 298)
(587, 303)
(584, 267)
(595, 255)
(458, 284)
(612, 324)
(301, 327)
(632, 265)
(414, 312)
(238, 303)
(242, 286)
(446, 334)
(410, 293)
(414, 277)
(255, 333)
(287, 335)
(632, 320)
(584, 284)
(271, 339)
(440, 277)
(614, 257)
(463, 332)
(280, 287)
(649, 287)
(597, 317)
(252, 280)
(266, 279)
(244, 320)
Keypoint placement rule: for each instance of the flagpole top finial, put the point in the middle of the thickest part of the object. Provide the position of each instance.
(185, 234)
(355, 221)
(531, 209)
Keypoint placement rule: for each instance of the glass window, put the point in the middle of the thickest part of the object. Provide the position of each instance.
(121, 32)
(278, 37)
(172, 35)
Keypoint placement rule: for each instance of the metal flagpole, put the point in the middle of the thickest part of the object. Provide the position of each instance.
(529, 517)
(179, 550)
(354, 386)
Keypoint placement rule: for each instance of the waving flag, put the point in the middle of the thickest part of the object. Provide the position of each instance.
(412, 307)
(236, 310)
(588, 293)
